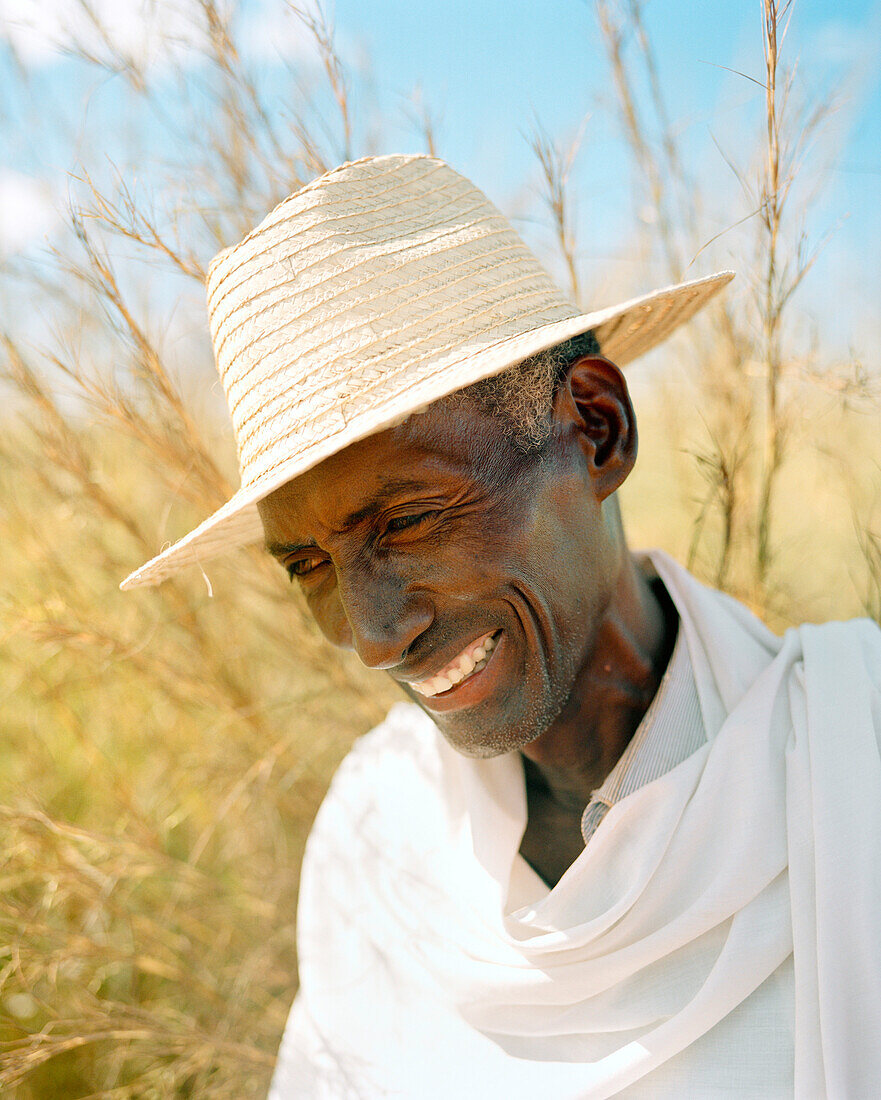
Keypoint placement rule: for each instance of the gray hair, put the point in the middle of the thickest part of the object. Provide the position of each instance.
(522, 396)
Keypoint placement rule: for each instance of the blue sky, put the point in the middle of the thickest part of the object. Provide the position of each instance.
(496, 63)
(487, 69)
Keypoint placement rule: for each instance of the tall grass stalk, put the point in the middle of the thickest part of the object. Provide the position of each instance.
(164, 752)
(747, 428)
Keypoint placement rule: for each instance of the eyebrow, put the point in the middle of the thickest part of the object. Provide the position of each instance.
(390, 487)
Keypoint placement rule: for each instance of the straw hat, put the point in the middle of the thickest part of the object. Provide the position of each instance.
(384, 285)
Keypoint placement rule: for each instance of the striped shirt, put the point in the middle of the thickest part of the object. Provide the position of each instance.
(671, 730)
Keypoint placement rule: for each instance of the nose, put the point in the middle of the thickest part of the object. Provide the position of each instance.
(384, 614)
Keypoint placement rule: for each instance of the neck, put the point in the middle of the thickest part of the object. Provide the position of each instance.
(611, 695)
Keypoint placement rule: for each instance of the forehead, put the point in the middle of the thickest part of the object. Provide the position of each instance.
(445, 447)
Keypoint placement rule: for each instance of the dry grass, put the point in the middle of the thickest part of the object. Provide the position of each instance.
(556, 161)
(755, 382)
(162, 759)
(164, 752)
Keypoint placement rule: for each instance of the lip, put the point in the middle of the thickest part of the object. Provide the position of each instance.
(472, 691)
(423, 675)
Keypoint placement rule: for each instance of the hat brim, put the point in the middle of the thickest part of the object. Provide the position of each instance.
(623, 333)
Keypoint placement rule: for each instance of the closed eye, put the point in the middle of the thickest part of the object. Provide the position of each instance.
(401, 523)
(306, 564)
(302, 567)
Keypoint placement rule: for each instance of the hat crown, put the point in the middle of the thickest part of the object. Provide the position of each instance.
(371, 292)
(369, 280)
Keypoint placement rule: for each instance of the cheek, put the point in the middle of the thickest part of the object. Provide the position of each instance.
(327, 610)
(463, 557)
(564, 559)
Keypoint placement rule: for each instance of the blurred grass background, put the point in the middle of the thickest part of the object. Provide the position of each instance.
(164, 752)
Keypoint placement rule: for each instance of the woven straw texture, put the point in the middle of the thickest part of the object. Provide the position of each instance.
(382, 286)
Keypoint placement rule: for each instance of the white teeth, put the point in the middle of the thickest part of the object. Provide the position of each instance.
(471, 661)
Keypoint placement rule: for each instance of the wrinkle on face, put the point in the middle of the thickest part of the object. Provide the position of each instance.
(526, 548)
(514, 546)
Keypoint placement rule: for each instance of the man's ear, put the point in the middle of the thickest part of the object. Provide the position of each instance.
(592, 401)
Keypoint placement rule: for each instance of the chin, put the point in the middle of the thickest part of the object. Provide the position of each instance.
(501, 709)
(482, 736)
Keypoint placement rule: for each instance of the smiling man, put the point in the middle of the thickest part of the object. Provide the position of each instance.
(622, 840)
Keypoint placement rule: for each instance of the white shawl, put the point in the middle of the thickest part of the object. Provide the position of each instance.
(718, 936)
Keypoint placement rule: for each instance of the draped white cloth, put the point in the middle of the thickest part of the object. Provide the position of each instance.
(717, 937)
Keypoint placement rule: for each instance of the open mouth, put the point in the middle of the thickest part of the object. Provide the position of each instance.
(473, 658)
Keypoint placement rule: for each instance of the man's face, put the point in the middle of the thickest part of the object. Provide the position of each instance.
(417, 544)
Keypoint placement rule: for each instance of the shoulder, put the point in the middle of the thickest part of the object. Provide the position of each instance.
(846, 651)
(836, 689)
(386, 785)
(863, 631)
(403, 745)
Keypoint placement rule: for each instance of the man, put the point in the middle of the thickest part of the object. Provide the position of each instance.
(626, 841)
